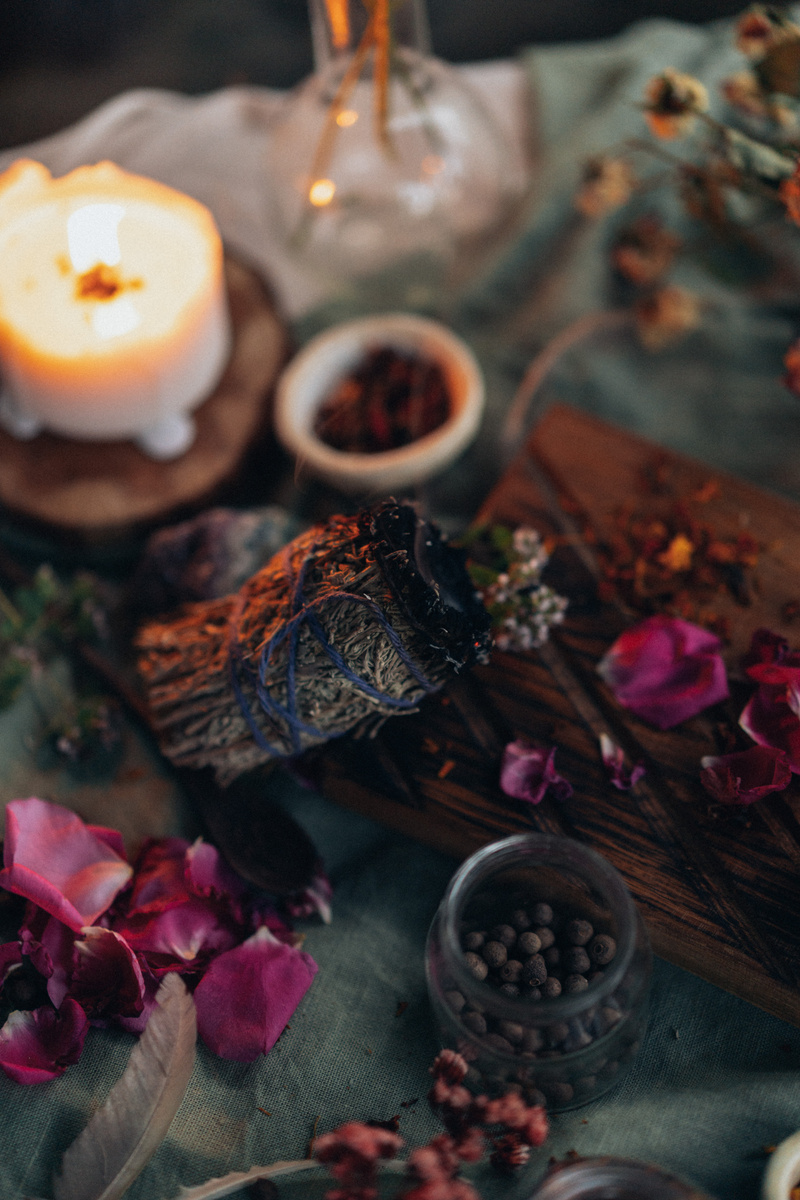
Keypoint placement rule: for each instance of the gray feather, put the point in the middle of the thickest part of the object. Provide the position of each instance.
(124, 1134)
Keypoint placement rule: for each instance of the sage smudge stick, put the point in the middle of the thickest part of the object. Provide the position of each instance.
(353, 621)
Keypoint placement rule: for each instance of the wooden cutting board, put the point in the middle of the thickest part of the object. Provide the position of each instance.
(720, 891)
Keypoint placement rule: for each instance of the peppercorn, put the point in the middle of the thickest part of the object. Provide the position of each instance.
(494, 954)
(551, 988)
(576, 960)
(512, 1031)
(456, 1000)
(509, 989)
(520, 920)
(534, 972)
(552, 956)
(528, 943)
(475, 1022)
(474, 940)
(542, 914)
(511, 971)
(578, 931)
(556, 1033)
(532, 1040)
(602, 949)
(545, 936)
(505, 935)
(575, 983)
(475, 965)
(496, 1042)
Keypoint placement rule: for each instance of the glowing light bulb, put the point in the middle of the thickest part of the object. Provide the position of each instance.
(321, 192)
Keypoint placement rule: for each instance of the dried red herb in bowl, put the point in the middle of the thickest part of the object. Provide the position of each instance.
(390, 399)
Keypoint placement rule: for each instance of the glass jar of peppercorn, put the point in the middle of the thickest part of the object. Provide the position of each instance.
(538, 968)
(621, 1178)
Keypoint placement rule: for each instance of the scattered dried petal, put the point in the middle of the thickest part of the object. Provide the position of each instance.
(527, 772)
(746, 776)
(665, 670)
(622, 774)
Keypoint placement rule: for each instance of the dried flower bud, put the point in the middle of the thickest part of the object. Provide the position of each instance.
(759, 30)
(644, 252)
(607, 184)
(672, 100)
(663, 316)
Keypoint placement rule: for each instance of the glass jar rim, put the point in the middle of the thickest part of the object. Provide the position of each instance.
(556, 851)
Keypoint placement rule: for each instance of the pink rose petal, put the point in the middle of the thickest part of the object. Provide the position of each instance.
(248, 994)
(665, 670)
(746, 776)
(181, 938)
(106, 978)
(316, 898)
(38, 1046)
(53, 859)
(527, 772)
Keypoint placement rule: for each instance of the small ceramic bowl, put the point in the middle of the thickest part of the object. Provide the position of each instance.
(329, 357)
(783, 1170)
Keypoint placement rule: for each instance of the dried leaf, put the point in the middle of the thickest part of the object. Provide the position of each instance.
(123, 1135)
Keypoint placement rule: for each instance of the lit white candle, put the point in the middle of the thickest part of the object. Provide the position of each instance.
(113, 314)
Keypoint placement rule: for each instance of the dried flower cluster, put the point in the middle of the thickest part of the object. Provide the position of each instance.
(752, 158)
(506, 567)
(354, 1152)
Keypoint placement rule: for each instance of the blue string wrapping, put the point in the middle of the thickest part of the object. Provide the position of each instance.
(307, 613)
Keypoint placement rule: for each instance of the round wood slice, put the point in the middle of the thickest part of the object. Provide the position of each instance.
(100, 489)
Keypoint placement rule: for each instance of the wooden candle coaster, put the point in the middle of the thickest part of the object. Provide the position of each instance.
(98, 490)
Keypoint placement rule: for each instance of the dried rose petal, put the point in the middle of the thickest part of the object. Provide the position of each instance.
(769, 720)
(106, 978)
(207, 874)
(38, 1046)
(746, 776)
(181, 938)
(665, 670)
(248, 994)
(159, 881)
(526, 773)
(10, 957)
(622, 774)
(52, 858)
(51, 954)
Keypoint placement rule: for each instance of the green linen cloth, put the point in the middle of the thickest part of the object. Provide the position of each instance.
(716, 1079)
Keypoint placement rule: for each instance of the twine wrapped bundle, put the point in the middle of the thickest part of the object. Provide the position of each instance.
(353, 621)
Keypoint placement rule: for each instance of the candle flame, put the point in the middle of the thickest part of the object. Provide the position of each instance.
(92, 236)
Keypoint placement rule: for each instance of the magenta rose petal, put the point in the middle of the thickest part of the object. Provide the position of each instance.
(106, 977)
(51, 955)
(316, 898)
(111, 837)
(248, 994)
(181, 938)
(746, 776)
(769, 720)
(53, 859)
(38, 1046)
(665, 670)
(527, 772)
(209, 875)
